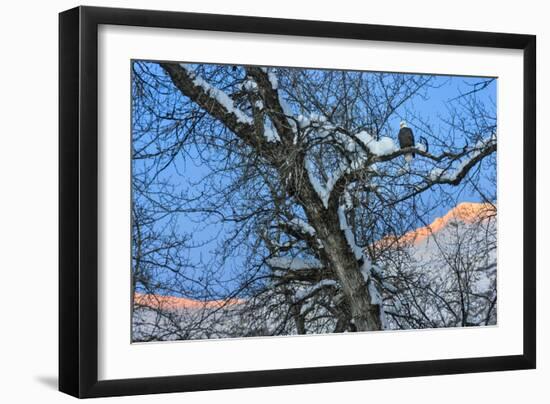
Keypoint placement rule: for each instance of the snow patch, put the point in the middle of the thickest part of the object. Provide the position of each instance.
(306, 292)
(294, 263)
(249, 85)
(421, 147)
(271, 135)
(218, 95)
(273, 80)
(303, 226)
(320, 189)
(478, 149)
(435, 174)
(381, 147)
(350, 238)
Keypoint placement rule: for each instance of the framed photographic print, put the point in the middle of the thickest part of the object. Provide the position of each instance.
(251, 201)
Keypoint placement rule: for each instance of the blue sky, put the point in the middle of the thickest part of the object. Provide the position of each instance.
(432, 108)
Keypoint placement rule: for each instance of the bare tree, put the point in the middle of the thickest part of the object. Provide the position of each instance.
(447, 279)
(301, 168)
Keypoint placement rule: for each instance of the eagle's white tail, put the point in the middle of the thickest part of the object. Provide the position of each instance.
(408, 157)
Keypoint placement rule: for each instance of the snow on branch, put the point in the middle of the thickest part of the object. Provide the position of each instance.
(359, 150)
(301, 230)
(271, 135)
(381, 147)
(366, 265)
(218, 104)
(273, 80)
(302, 226)
(275, 107)
(306, 292)
(454, 175)
(249, 85)
(450, 174)
(350, 237)
(218, 95)
(324, 190)
(294, 263)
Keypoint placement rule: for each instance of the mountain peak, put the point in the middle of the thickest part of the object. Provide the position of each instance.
(466, 212)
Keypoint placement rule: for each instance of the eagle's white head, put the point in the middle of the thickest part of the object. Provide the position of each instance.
(403, 124)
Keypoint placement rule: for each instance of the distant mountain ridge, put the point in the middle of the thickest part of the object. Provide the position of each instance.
(175, 302)
(466, 212)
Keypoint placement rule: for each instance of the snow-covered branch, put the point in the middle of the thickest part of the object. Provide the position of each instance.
(454, 175)
(215, 101)
(316, 180)
(451, 175)
(267, 84)
(307, 292)
(293, 263)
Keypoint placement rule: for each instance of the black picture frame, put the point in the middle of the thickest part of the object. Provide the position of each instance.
(78, 201)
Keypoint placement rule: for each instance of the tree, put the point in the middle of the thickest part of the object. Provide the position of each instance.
(445, 278)
(302, 167)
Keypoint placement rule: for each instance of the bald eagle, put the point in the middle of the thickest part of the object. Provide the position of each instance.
(406, 139)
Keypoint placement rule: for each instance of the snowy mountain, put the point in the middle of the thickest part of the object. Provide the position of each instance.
(445, 273)
(439, 275)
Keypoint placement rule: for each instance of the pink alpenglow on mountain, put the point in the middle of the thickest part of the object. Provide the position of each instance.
(179, 303)
(466, 212)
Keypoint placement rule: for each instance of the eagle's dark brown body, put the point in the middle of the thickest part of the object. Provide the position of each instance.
(406, 139)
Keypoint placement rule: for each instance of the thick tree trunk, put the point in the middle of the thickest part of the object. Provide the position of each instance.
(341, 258)
(336, 250)
(365, 315)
